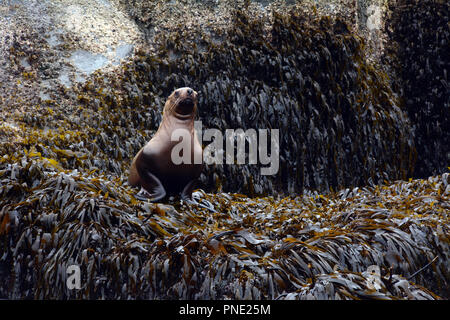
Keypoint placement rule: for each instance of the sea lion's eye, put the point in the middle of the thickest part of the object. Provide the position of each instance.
(177, 94)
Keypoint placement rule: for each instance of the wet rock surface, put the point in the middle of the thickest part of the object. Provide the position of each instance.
(49, 46)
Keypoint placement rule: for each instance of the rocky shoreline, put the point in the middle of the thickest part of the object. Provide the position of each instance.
(82, 86)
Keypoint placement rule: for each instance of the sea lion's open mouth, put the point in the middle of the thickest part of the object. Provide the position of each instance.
(185, 106)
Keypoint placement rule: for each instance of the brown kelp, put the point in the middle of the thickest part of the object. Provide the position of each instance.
(418, 51)
(64, 200)
(221, 246)
(308, 77)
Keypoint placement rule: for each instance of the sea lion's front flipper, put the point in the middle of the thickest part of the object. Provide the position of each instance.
(186, 194)
(151, 188)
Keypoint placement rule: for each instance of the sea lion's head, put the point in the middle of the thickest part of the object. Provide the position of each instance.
(182, 103)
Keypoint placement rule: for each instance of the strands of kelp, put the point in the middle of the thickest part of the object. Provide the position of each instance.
(219, 245)
(64, 200)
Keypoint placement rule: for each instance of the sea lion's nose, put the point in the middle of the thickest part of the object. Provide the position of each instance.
(189, 92)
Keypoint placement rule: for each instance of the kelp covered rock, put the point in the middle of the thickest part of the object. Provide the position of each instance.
(419, 37)
(223, 245)
(338, 119)
(308, 77)
(63, 167)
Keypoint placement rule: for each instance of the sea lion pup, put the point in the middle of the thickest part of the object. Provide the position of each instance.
(152, 168)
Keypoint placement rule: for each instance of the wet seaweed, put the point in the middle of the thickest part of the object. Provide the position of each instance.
(418, 52)
(64, 200)
(221, 245)
(340, 124)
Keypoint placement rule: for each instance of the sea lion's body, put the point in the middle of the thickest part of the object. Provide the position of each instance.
(153, 168)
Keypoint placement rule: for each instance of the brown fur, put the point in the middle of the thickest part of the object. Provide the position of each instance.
(154, 159)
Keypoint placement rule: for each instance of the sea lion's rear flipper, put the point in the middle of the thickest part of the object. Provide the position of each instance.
(186, 194)
(151, 188)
